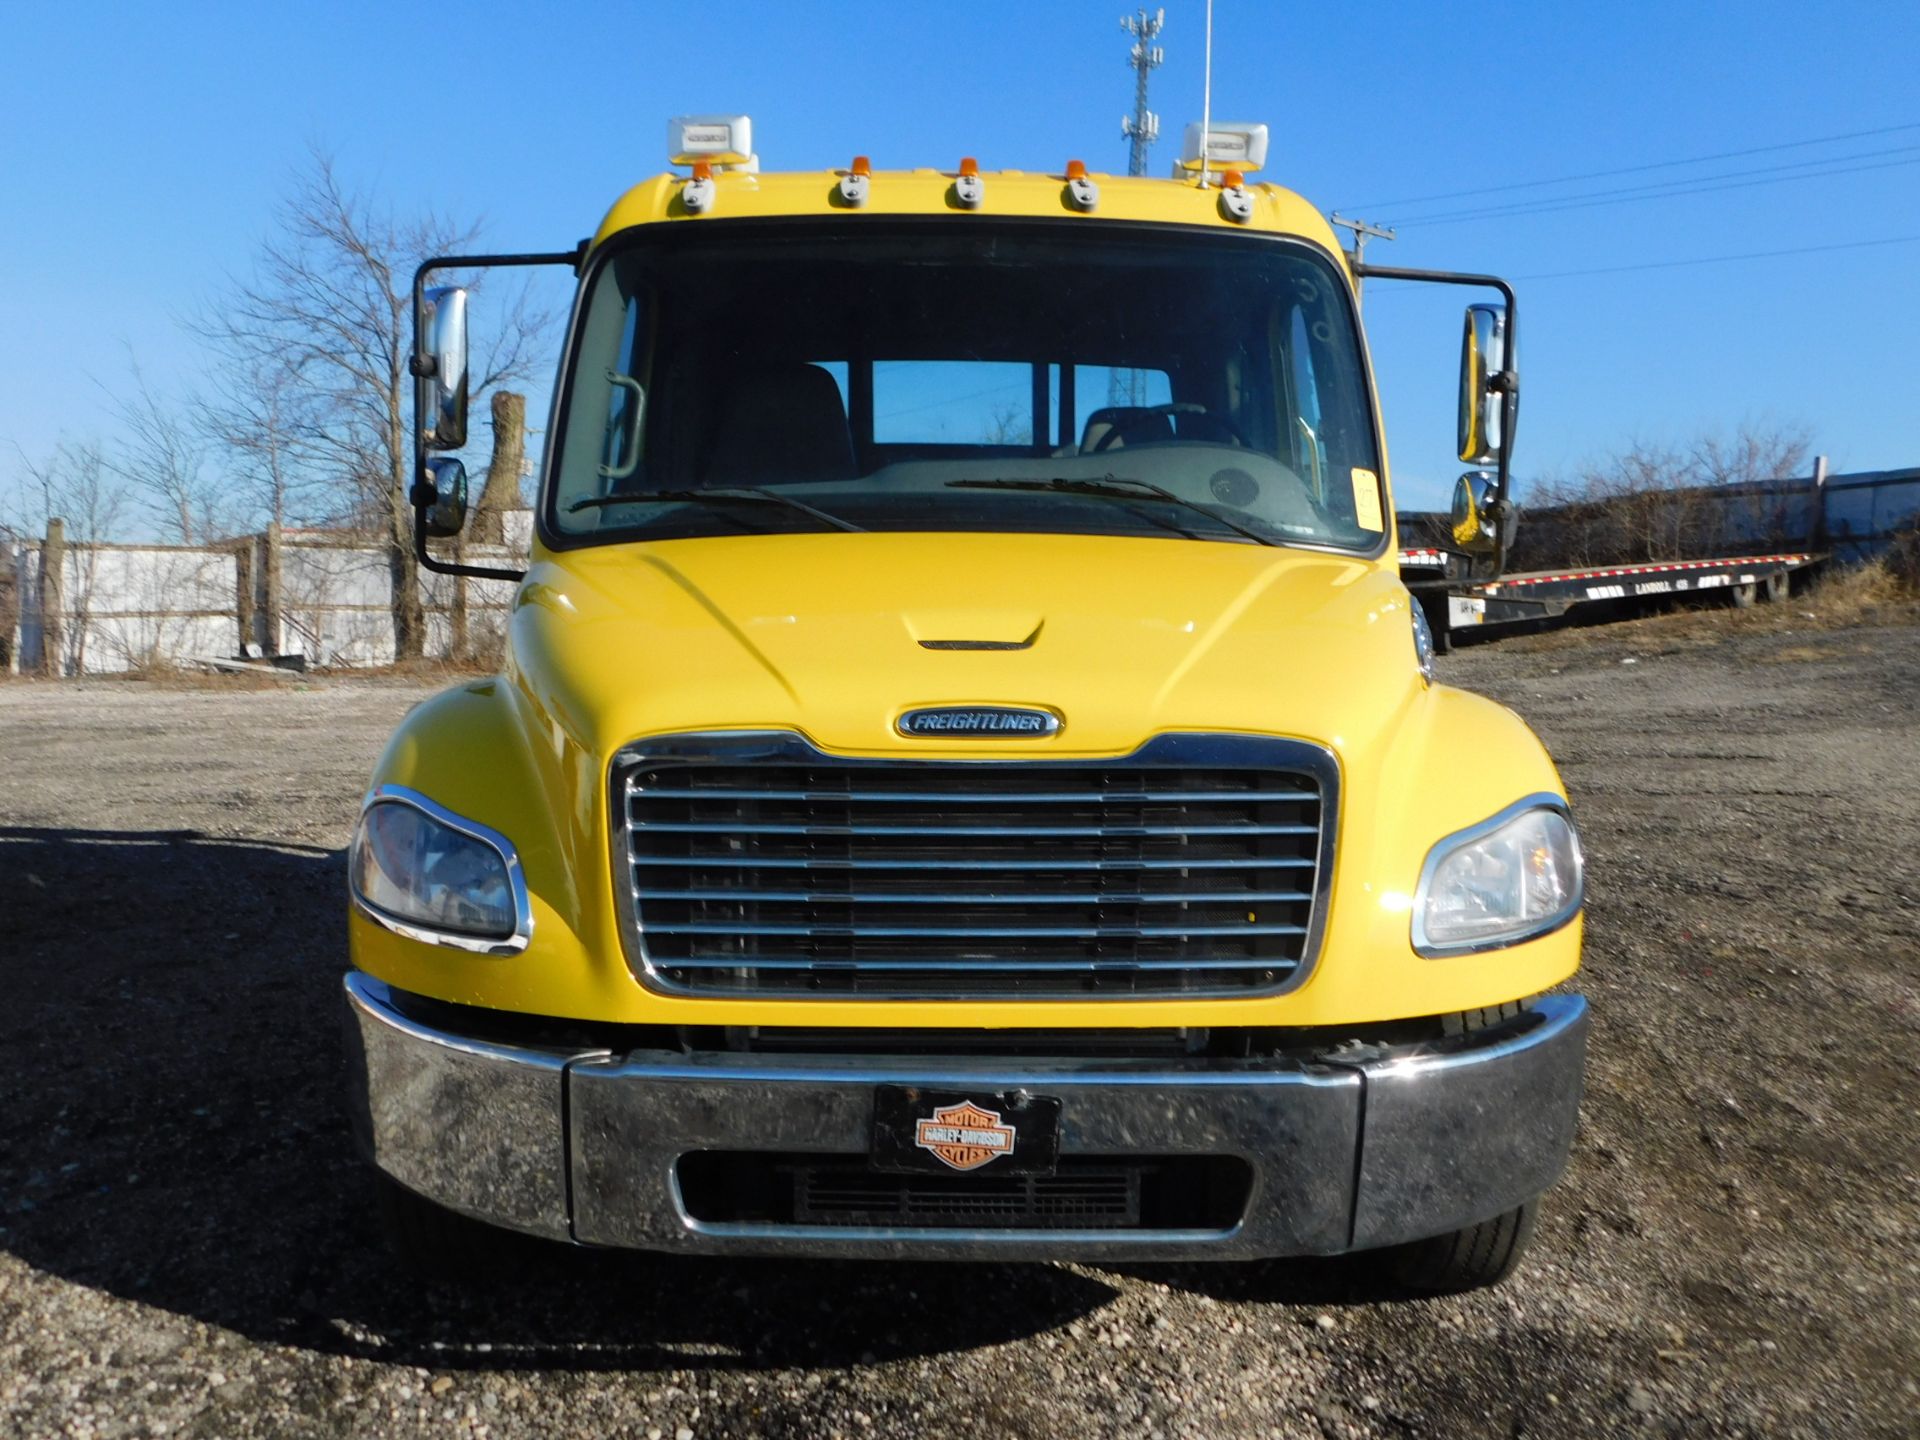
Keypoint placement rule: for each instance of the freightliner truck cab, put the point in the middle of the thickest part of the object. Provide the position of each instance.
(966, 778)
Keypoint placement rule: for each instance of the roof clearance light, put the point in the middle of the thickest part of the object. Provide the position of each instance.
(698, 193)
(1241, 145)
(968, 190)
(857, 183)
(1082, 193)
(1236, 201)
(725, 141)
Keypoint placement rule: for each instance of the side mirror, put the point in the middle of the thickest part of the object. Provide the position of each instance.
(446, 512)
(1486, 379)
(1472, 525)
(443, 390)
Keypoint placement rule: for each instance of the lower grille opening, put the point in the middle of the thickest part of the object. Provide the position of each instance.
(1180, 1192)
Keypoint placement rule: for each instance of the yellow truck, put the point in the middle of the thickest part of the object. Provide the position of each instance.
(966, 777)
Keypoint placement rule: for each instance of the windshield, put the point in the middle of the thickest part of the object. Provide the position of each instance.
(1073, 378)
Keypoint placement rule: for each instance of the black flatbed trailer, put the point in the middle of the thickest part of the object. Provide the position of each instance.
(1454, 604)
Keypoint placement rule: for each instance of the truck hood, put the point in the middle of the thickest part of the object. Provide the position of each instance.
(835, 635)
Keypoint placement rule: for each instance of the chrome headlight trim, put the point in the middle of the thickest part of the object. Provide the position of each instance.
(413, 930)
(1422, 640)
(1447, 845)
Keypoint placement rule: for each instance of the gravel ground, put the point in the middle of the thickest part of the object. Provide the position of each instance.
(184, 1247)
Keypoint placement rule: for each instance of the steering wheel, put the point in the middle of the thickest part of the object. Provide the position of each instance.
(1137, 416)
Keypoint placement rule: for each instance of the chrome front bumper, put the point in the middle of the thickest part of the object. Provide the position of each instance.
(1347, 1153)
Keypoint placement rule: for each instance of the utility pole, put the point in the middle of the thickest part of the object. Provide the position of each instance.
(1362, 232)
(1142, 128)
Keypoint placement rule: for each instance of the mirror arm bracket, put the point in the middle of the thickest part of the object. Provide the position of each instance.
(1509, 387)
(422, 366)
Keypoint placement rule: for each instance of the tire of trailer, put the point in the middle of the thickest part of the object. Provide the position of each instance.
(1743, 595)
(1773, 589)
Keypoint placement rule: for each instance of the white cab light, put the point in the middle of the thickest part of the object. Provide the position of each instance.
(1241, 147)
(722, 140)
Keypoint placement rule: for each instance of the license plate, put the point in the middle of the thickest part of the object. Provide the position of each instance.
(950, 1130)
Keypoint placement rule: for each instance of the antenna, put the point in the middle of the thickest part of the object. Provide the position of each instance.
(1143, 126)
(1206, 102)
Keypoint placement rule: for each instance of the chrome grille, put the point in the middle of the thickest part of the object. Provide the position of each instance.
(757, 864)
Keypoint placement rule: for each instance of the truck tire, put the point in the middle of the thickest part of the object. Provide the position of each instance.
(434, 1242)
(1743, 595)
(1773, 589)
(1469, 1258)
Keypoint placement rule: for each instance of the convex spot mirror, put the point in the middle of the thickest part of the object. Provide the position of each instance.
(446, 512)
(443, 391)
(1486, 376)
(1472, 525)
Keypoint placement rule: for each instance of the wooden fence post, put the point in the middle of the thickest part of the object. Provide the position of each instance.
(271, 598)
(243, 594)
(53, 599)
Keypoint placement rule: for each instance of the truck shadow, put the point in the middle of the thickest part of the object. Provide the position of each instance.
(175, 1135)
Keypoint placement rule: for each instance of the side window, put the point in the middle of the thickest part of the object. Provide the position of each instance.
(626, 402)
(605, 415)
(1308, 441)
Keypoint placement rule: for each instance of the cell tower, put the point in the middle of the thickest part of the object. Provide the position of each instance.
(1143, 126)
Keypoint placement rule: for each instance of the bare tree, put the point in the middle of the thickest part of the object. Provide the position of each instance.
(328, 314)
(1008, 425)
(263, 416)
(1650, 502)
(75, 485)
(1751, 455)
(163, 459)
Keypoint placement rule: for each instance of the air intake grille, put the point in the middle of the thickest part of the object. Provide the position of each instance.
(795, 871)
(1079, 1197)
(1086, 1192)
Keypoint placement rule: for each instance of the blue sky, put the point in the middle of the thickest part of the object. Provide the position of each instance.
(144, 148)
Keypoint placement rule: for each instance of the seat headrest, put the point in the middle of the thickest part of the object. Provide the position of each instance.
(781, 423)
(1138, 425)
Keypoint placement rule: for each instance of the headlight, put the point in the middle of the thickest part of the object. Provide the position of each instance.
(425, 872)
(1508, 879)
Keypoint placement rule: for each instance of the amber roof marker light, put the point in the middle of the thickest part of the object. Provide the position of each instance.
(1081, 193)
(968, 188)
(1236, 201)
(857, 183)
(697, 195)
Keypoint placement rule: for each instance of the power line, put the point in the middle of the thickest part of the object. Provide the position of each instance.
(1658, 187)
(1636, 169)
(1465, 219)
(1726, 259)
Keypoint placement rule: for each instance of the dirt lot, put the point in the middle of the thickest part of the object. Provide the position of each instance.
(183, 1248)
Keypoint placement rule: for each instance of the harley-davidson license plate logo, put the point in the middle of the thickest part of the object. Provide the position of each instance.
(985, 721)
(964, 1136)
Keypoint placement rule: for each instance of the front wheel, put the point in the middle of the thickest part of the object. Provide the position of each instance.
(1468, 1258)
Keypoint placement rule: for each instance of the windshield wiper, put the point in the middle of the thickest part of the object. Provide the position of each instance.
(749, 494)
(1115, 487)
